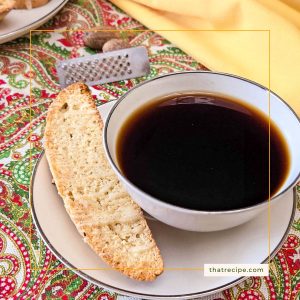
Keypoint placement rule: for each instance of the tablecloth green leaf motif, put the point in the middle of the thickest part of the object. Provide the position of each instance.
(28, 270)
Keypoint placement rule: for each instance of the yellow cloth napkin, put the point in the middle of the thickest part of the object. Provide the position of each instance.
(244, 53)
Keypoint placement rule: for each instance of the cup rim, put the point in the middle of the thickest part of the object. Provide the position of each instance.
(172, 206)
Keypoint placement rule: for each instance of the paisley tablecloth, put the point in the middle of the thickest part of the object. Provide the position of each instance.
(28, 270)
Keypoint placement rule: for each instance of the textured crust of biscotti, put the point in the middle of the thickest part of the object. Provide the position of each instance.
(111, 223)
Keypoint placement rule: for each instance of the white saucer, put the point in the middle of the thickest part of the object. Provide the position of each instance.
(20, 21)
(181, 250)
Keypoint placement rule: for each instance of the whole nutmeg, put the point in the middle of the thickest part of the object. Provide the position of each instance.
(96, 39)
(115, 44)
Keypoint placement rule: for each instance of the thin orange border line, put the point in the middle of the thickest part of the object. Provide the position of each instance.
(149, 30)
(269, 155)
(161, 30)
(30, 127)
(111, 269)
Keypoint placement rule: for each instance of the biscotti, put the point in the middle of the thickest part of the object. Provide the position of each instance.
(111, 223)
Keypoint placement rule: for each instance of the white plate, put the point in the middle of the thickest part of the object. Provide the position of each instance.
(247, 243)
(20, 21)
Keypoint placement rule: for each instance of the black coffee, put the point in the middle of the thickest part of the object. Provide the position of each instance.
(203, 152)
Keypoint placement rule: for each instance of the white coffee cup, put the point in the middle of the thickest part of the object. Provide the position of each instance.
(207, 82)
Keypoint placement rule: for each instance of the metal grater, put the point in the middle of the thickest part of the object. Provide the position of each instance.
(104, 67)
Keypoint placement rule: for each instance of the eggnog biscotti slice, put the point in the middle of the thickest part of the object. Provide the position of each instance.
(105, 215)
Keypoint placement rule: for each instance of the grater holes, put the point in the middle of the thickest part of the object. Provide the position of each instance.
(95, 69)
